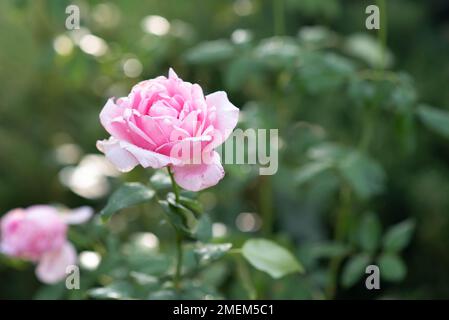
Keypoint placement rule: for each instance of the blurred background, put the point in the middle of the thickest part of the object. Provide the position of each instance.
(363, 119)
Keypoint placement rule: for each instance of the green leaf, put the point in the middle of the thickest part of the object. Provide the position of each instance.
(182, 218)
(403, 96)
(326, 151)
(324, 72)
(210, 52)
(194, 205)
(317, 10)
(239, 71)
(392, 268)
(398, 236)
(364, 92)
(116, 290)
(311, 170)
(51, 292)
(271, 258)
(209, 252)
(176, 217)
(316, 36)
(370, 232)
(354, 269)
(368, 49)
(189, 217)
(160, 180)
(277, 51)
(144, 279)
(364, 174)
(435, 119)
(328, 250)
(203, 231)
(150, 264)
(126, 196)
(164, 294)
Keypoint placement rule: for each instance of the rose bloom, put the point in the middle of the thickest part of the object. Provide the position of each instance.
(39, 234)
(169, 122)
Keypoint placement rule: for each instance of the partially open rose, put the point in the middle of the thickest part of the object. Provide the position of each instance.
(169, 122)
(39, 234)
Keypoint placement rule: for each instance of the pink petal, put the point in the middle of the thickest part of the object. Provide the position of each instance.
(151, 128)
(52, 266)
(190, 122)
(227, 115)
(172, 74)
(78, 215)
(120, 158)
(110, 112)
(148, 158)
(195, 177)
(125, 156)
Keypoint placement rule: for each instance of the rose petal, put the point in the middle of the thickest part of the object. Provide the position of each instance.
(195, 177)
(120, 158)
(108, 118)
(78, 215)
(52, 266)
(172, 74)
(227, 115)
(148, 158)
(125, 156)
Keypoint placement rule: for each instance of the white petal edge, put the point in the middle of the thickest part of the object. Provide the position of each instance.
(78, 215)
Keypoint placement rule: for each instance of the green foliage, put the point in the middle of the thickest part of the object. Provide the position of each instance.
(117, 290)
(320, 73)
(370, 232)
(435, 119)
(210, 52)
(391, 266)
(126, 196)
(328, 250)
(354, 269)
(271, 258)
(210, 252)
(368, 49)
(398, 236)
(364, 174)
(181, 218)
(355, 154)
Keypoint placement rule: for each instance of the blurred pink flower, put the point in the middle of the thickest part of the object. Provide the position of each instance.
(169, 122)
(39, 234)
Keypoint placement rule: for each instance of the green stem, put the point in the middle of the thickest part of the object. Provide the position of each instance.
(368, 127)
(179, 257)
(179, 238)
(245, 276)
(174, 185)
(341, 229)
(371, 110)
(382, 34)
(266, 205)
(279, 19)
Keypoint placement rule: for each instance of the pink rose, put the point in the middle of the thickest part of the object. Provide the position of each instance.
(39, 234)
(169, 122)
